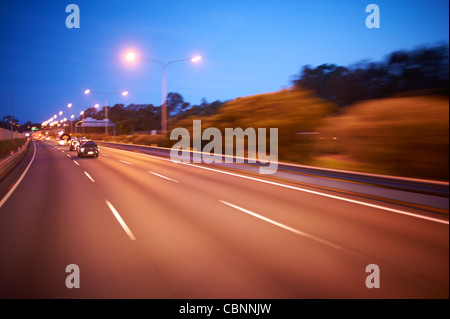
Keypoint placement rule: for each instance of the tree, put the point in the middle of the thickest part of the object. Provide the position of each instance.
(124, 126)
(402, 71)
(7, 119)
(175, 103)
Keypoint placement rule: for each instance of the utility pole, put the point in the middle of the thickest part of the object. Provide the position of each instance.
(11, 139)
(11, 119)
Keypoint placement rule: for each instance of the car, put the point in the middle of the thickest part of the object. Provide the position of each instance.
(82, 140)
(73, 143)
(88, 149)
(64, 139)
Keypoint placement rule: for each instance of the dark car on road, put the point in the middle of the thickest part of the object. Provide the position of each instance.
(82, 140)
(88, 149)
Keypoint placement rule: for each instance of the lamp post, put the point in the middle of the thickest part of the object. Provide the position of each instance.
(82, 118)
(11, 123)
(11, 120)
(71, 118)
(164, 91)
(124, 93)
(71, 121)
(131, 56)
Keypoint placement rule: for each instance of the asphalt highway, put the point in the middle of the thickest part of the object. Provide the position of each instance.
(139, 226)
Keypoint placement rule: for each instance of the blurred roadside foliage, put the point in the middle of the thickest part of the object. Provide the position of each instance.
(6, 146)
(405, 136)
(141, 139)
(291, 111)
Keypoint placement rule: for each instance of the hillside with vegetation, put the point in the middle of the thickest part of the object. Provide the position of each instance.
(405, 136)
(291, 111)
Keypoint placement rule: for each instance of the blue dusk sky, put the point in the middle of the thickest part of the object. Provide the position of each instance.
(248, 47)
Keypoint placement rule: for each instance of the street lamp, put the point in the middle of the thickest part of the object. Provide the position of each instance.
(82, 118)
(131, 56)
(164, 90)
(72, 116)
(71, 121)
(11, 123)
(124, 93)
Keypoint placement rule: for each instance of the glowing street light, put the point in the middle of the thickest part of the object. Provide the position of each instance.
(123, 93)
(131, 56)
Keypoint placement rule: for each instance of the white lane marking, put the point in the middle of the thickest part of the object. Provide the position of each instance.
(68, 155)
(105, 155)
(397, 211)
(162, 176)
(125, 162)
(293, 230)
(121, 222)
(89, 176)
(328, 195)
(20, 178)
(76, 162)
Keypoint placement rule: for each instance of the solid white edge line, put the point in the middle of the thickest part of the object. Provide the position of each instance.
(89, 176)
(293, 230)
(121, 221)
(329, 196)
(300, 189)
(20, 178)
(162, 176)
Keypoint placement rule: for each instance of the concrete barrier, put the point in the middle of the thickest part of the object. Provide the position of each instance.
(6, 134)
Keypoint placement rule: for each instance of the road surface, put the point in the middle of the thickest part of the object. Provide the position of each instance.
(139, 226)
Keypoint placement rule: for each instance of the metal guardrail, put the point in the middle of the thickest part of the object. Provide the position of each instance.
(8, 163)
(425, 187)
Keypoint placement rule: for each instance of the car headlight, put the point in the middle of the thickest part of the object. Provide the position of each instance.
(82, 149)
